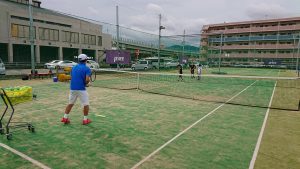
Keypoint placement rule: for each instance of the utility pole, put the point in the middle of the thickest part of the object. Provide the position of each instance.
(159, 40)
(31, 35)
(297, 64)
(221, 44)
(183, 43)
(118, 34)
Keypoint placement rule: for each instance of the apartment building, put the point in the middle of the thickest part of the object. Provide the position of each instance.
(272, 40)
(56, 36)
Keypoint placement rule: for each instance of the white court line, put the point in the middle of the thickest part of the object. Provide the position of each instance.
(99, 115)
(252, 163)
(25, 156)
(185, 130)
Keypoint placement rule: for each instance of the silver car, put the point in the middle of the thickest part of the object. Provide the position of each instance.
(92, 64)
(2, 68)
(66, 63)
(142, 64)
(172, 64)
(52, 64)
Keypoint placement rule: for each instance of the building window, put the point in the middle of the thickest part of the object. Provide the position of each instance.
(92, 40)
(85, 39)
(88, 39)
(99, 40)
(46, 34)
(21, 31)
(74, 37)
(66, 36)
(49, 34)
(14, 30)
(71, 37)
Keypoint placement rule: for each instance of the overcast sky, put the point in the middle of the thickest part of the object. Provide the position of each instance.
(177, 15)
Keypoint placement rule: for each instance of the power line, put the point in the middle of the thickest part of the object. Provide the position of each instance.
(129, 7)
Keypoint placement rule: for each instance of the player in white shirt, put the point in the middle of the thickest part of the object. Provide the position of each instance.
(199, 71)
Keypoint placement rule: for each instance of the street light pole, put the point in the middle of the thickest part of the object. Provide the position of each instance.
(31, 35)
(118, 34)
(221, 43)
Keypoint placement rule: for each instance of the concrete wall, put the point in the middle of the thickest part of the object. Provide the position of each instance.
(4, 24)
(8, 9)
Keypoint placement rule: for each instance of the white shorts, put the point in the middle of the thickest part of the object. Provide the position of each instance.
(82, 94)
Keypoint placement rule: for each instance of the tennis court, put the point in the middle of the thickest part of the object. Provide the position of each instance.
(149, 121)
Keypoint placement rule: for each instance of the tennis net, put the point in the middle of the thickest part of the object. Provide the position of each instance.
(209, 88)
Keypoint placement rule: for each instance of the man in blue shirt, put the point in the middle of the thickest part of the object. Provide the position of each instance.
(80, 77)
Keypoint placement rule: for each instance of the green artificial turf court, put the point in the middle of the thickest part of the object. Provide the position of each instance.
(129, 124)
(240, 71)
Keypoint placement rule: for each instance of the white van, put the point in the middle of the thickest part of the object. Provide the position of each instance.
(2, 68)
(142, 65)
(162, 64)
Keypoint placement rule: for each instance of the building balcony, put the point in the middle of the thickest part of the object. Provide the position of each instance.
(254, 55)
(253, 38)
(203, 43)
(265, 46)
(204, 36)
(254, 29)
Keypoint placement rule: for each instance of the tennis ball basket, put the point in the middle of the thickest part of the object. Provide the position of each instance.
(12, 96)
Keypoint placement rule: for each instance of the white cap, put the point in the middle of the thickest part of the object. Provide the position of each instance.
(82, 57)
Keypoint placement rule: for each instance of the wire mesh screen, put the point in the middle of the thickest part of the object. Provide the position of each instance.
(256, 91)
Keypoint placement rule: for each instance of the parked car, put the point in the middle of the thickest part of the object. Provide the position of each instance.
(92, 64)
(66, 63)
(2, 68)
(142, 64)
(162, 61)
(52, 64)
(172, 64)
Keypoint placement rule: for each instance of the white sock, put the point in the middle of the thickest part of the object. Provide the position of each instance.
(66, 116)
(85, 117)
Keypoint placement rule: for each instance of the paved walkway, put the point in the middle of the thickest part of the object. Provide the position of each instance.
(23, 71)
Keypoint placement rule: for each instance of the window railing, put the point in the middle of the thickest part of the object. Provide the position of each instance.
(255, 38)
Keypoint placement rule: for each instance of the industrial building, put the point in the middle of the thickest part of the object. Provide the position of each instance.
(56, 35)
(262, 41)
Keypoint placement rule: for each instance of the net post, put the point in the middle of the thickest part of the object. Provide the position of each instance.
(138, 81)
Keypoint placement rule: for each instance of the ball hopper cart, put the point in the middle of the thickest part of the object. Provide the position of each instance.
(12, 97)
